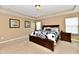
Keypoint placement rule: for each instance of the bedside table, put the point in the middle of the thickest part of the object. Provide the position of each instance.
(65, 36)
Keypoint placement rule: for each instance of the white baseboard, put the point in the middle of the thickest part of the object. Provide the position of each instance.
(14, 39)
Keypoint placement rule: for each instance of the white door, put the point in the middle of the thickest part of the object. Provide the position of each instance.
(38, 25)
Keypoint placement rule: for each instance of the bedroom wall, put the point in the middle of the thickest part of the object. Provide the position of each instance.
(59, 20)
(7, 33)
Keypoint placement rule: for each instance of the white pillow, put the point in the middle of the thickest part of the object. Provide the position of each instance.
(38, 32)
(55, 29)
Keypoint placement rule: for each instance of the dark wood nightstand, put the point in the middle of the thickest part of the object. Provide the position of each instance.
(65, 36)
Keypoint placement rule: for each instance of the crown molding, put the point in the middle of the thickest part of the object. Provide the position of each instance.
(59, 14)
(13, 13)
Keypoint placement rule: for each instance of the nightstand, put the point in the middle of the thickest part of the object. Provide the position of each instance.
(65, 36)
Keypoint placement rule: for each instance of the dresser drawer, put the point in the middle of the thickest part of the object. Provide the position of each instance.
(66, 36)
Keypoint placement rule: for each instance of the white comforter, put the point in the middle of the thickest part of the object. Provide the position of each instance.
(49, 36)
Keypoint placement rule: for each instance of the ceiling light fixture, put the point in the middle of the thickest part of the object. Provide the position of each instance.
(37, 6)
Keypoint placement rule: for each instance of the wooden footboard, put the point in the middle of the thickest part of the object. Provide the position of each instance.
(44, 42)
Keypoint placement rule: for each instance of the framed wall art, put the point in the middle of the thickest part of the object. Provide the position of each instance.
(27, 24)
(14, 23)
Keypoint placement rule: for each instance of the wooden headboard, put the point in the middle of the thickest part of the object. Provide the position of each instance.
(49, 26)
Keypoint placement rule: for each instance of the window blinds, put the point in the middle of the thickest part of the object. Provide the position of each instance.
(71, 25)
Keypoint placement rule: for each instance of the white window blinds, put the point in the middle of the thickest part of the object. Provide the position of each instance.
(72, 25)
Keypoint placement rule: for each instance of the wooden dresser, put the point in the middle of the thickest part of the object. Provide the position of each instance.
(65, 36)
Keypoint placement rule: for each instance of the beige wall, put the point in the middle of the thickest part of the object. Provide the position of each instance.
(54, 21)
(58, 20)
(9, 33)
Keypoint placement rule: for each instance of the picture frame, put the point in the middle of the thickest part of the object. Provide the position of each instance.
(14, 23)
(27, 24)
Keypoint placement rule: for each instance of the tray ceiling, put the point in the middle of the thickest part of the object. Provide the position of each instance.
(30, 10)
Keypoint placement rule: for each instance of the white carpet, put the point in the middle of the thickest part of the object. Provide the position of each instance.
(25, 47)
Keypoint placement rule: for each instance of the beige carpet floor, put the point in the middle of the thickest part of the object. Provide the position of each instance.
(26, 47)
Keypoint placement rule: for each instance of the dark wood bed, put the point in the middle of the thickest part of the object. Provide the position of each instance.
(44, 42)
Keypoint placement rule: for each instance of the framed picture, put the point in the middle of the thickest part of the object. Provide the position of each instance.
(14, 23)
(27, 24)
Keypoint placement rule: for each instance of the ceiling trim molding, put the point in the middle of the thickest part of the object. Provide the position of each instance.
(74, 10)
(14, 13)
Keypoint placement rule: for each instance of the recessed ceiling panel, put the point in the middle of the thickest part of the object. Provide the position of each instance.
(30, 10)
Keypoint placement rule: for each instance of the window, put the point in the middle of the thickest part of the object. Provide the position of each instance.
(72, 25)
(38, 25)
